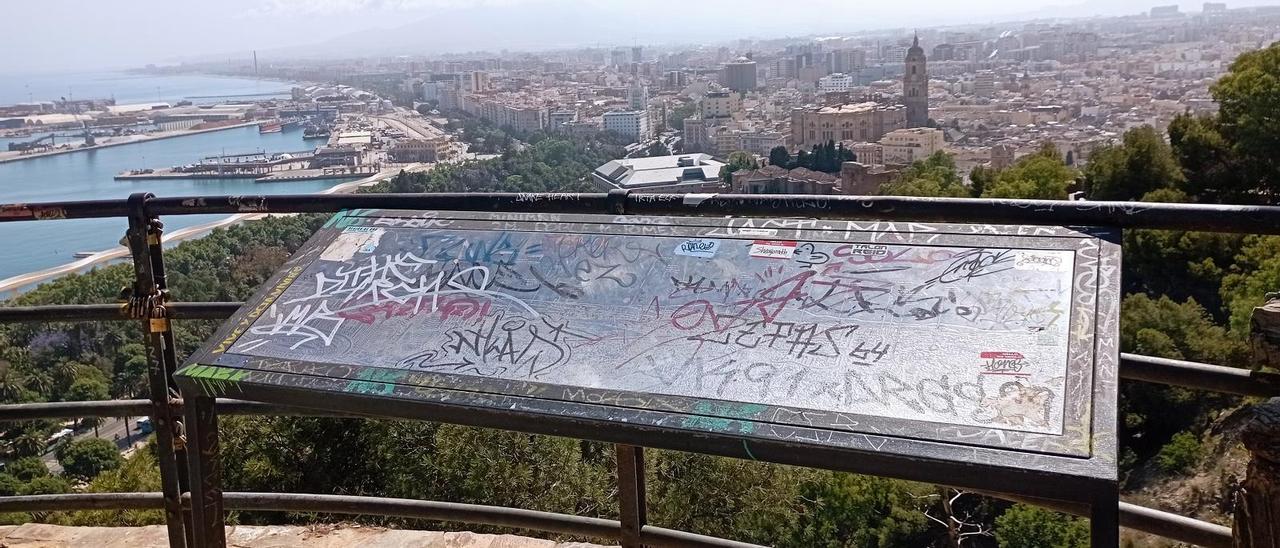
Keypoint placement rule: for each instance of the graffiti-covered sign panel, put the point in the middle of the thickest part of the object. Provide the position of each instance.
(968, 334)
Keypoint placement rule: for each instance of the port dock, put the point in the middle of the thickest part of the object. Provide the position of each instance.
(259, 166)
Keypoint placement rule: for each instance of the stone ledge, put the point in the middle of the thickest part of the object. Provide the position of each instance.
(39, 535)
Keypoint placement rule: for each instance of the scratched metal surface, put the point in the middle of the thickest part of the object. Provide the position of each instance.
(971, 334)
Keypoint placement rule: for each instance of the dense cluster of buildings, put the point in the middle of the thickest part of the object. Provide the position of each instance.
(987, 94)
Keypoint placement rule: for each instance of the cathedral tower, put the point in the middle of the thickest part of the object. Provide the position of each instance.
(915, 86)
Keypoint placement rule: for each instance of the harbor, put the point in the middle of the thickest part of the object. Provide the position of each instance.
(356, 145)
(14, 156)
(258, 166)
(90, 175)
(87, 260)
(246, 139)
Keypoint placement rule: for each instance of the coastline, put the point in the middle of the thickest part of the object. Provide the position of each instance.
(142, 139)
(12, 286)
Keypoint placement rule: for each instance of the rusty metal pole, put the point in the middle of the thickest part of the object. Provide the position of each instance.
(146, 296)
(631, 493)
(199, 468)
(1257, 516)
(204, 466)
(1104, 517)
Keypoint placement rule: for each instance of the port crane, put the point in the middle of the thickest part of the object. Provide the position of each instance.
(37, 144)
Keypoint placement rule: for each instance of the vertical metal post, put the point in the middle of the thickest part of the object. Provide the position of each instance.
(146, 296)
(631, 493)
(205, 469)
(1104, 517)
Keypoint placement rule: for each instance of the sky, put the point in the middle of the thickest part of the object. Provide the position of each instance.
(65, 35)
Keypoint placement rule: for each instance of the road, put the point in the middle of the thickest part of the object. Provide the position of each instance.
(112, 429)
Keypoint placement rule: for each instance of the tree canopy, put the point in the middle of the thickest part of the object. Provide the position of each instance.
(1043, 175)
(1248, 97)
(779, 156)
(736, 161)
(1140, 164)
(932, 176)
(85, 458)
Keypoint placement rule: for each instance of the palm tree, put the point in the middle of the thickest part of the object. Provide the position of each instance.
(29, 444)
(39, 382)
(11, 383)
(65, 372)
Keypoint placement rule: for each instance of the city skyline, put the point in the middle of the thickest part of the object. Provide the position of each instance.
(288, 29)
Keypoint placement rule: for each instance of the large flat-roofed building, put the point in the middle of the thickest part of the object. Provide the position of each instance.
(422, 150)
(355, 138)
(632, 124)
(740, 75)
(851, 122)
(521, 117)
(675, 173)
(342, 155)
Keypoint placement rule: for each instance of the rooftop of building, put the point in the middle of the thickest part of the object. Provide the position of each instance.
(777, 172)
(659, 170)
(850, 108)
(914, 131)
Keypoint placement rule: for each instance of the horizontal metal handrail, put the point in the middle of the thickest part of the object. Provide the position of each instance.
(1202, 376)
(82, 501)
(472, 514)
(1141, 518)
(1174, 526)
(1200, 217)
(1137, 517)
(423, 509)
(138, 408)
(74, 409)
(1174, 216)
(113, 312)
(1133, 516)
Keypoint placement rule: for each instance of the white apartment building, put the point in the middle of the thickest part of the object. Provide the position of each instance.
(903, 146)
(871, 154)
(719, 104)
(984, 83)
(638, 96)
(633, 124)
(835, 83)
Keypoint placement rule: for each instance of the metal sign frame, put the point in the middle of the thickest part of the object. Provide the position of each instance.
(1077, 464)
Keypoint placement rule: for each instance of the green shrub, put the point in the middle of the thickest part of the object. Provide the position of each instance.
(1024, 526)
(1182, 452)
(28, 468)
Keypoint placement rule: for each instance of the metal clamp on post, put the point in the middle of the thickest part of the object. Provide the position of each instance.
(616, 202)
(179, 435)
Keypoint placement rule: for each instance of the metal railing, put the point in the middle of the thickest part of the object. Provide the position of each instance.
(190, 522)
